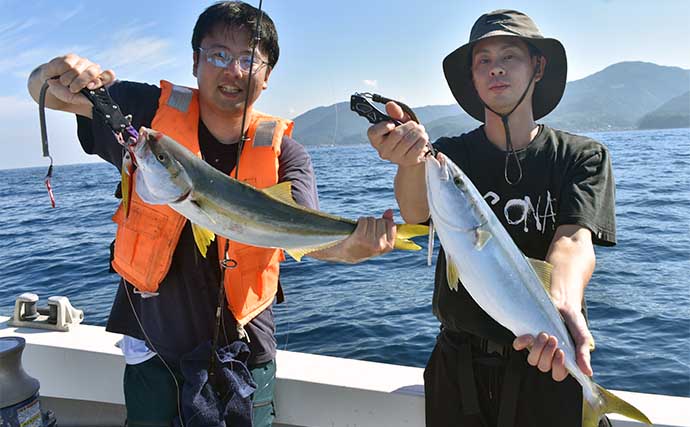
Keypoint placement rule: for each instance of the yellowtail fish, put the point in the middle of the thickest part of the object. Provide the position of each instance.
(509, 287)
(215, 203)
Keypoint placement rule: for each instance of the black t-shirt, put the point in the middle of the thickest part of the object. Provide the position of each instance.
(182, 316)
(567, 179)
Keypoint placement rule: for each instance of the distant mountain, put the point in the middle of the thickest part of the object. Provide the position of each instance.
(616, 98)
(673, 114)
(337, 124)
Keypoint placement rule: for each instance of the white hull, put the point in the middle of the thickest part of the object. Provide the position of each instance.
(81, 380)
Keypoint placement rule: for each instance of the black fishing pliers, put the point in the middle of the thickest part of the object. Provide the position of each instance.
(360, 103)
(110, 112)
(103, 107)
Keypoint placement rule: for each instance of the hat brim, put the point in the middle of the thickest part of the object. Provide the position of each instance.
(547, 92)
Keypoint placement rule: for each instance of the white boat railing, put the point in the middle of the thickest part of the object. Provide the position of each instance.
(83, 369)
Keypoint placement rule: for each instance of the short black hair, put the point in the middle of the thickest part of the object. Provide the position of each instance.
(238, 15)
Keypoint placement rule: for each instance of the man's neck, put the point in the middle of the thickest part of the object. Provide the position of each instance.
(523, 129)
(226, 129)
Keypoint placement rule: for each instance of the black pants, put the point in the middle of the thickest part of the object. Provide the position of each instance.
(471, 383)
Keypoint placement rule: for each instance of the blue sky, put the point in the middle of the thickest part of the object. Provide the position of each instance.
(329, 49)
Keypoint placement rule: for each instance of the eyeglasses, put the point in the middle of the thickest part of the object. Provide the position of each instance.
(221, 58)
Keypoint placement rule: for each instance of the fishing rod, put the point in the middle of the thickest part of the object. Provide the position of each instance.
(228, 263)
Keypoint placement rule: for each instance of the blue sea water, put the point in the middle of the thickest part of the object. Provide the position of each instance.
(380, 310)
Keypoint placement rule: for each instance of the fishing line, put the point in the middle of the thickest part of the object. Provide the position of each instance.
(150, 343)
(228, 263)
(152, 347)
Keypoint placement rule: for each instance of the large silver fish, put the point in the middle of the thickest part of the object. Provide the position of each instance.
(508, 286)
(168, 173)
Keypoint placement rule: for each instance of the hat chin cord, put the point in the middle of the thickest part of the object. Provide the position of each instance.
(509, 143)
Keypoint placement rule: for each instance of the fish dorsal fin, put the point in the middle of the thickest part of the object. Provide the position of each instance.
(203, 238)
(298, 253)
(282, 191)
(407, 231)
(543, 270)
(452, 273)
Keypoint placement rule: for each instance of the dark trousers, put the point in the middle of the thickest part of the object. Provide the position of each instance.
(470, 382)
(151, 394)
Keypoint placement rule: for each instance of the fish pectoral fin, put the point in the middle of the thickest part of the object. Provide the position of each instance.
(298, 253)
(610, 404)
(203, 238)
(543, 270)
(481, 237)
(283, 192)
(197, 204)
(407, 231)
(452, 273)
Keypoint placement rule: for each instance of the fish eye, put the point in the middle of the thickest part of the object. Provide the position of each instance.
(459, 182)
(161, 157)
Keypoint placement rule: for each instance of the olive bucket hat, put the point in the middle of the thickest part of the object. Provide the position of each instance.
(547, 92)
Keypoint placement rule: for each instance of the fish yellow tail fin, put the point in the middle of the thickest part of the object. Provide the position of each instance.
(406, 232)
(610, 404)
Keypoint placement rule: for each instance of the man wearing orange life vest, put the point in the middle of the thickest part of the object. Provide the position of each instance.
(165, 307)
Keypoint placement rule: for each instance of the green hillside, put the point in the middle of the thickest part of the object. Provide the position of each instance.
(673, 114)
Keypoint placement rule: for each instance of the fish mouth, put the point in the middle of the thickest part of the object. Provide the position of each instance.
(439, 165)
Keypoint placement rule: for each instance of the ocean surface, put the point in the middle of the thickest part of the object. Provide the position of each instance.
(380, 310)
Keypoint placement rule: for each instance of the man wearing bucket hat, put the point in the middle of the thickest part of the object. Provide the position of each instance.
(553, 192)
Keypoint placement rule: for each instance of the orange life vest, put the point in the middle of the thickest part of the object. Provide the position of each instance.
(147, 237)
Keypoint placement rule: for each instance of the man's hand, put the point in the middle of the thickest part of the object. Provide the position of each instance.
(372, 237)
(404, 145)
(67, 75)
(545, 354)
(572, 256)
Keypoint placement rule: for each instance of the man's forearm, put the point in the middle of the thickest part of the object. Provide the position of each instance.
(337, 253)
(572, 256)
(410, 192)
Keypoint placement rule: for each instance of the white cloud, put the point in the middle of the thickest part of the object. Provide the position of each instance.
(130, 50)
(371, 83)
(64, 16)
(21, 63)
(9, 31)
(134, 52)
